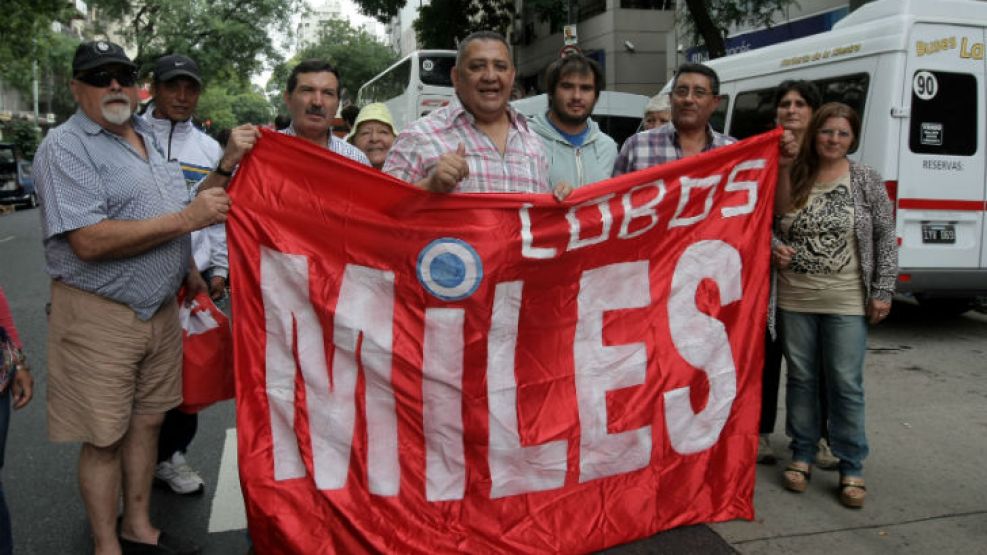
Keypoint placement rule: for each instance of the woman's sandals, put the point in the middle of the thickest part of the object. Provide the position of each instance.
(852, 492)
(797, 476)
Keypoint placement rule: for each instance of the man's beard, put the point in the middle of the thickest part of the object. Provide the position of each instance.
(566, 118)
(115, 113)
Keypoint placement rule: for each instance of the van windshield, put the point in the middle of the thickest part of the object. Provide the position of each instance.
(436, 70)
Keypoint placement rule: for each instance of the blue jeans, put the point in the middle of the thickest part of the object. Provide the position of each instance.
(832, 346)
(6, 541)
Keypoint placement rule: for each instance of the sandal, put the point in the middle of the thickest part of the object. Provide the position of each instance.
(852, 492)
(797, 477)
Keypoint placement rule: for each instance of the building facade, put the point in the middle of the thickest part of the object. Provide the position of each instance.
(310, 26)
(638, 42)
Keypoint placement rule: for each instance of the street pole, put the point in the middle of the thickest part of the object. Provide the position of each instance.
(34, 70)
(34, 85)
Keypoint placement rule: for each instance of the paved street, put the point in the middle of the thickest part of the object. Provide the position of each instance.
(926, 383)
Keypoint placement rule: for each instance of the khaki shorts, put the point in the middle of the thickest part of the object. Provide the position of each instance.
(105, 364)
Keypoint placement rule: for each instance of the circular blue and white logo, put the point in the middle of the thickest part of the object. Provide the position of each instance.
(449, 269)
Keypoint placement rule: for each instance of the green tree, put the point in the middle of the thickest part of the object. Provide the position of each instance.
(25, 135)
(442, 23)
(229, 39)
(51, 50)
(25, 26)
(226, 105)
(709, 21)
(55, 74)
(381, 10)
(252, 107)
(356, 54)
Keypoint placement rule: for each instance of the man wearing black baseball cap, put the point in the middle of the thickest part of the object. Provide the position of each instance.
(116, 218)
(176, 87)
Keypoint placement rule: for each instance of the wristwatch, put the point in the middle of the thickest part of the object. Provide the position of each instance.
(219, 169)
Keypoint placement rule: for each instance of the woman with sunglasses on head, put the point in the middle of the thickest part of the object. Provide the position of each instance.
(836, 217)
(795, 101)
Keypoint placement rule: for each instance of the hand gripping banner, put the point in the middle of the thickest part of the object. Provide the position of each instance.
(427, 373)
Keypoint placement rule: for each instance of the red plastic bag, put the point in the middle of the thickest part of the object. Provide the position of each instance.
(207, 344)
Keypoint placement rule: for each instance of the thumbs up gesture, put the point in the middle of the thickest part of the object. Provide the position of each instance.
(448, 171)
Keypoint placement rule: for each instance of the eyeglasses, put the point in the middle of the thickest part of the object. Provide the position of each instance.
(697, 93)
(103, 77)
(835, 132)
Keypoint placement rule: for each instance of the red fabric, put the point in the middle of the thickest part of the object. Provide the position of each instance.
(7, 321)
(322, 216)
(207, 354)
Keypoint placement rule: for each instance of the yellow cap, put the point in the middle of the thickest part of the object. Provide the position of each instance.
(372, 112)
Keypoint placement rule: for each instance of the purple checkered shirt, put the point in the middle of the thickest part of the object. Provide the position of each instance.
(523, 168)
(658, 146)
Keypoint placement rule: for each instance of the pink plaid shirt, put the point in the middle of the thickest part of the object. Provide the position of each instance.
(523, 168)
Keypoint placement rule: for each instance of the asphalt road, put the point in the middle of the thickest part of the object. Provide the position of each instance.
(48, 517)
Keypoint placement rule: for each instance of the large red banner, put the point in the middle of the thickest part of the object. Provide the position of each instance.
(427, 373)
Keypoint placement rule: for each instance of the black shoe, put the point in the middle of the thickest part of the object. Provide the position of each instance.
(167, 545)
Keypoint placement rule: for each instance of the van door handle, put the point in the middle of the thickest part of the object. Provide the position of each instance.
(900, 112)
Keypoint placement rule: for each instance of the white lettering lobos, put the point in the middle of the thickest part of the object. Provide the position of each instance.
(362, 330)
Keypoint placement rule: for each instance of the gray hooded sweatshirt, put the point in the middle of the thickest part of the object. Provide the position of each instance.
(577, 166)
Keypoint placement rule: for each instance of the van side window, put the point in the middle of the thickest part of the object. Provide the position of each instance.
(718, 119)
(848, 89)
(944, 113)
(753, 113)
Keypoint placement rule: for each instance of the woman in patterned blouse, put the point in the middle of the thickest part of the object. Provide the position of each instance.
(837, 277)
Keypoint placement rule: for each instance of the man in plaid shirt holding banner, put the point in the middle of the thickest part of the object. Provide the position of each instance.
(478, 143)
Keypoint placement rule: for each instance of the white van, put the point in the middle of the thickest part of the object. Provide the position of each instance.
(915, 71)
(617, 113)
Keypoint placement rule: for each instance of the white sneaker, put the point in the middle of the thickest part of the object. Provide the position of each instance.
(179, 476)
(825, 458)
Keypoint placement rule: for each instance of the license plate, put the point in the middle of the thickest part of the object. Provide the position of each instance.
(938, 233)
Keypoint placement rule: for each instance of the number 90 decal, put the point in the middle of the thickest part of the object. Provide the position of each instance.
(925, 85)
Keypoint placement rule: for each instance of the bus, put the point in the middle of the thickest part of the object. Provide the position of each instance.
(414, 86)
(915, 72)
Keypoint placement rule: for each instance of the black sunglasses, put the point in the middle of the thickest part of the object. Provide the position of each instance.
(103, 77)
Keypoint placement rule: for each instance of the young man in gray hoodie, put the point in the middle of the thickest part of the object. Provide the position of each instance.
(578, 152)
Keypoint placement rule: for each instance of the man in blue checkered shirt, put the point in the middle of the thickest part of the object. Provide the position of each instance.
(695, 96)
(116, 217)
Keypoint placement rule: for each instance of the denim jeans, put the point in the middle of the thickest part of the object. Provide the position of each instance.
(832, 346)
(6, 541)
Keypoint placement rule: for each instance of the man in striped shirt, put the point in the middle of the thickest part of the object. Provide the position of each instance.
(478, 143)
(312, 97)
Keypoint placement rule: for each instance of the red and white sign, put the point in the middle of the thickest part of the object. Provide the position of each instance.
(425, 373)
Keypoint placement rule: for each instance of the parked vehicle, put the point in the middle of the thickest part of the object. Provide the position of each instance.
(16, 181)
(618, 114)
(915, 72)
(417, 84)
